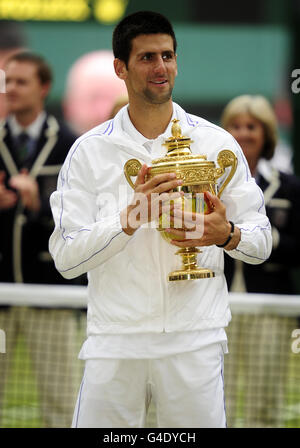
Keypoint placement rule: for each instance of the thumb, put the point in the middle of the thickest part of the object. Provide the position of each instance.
(141, 175)
(24, 171)
(212, 200)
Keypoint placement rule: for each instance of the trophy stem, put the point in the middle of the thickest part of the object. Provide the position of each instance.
(189, 257)
(190, 269)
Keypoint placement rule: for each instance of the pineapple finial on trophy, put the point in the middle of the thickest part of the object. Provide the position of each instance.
(176, 129)
(177, 145)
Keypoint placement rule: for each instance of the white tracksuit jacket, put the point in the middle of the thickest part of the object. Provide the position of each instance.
(128, 291)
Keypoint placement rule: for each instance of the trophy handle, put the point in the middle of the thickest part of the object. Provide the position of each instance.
(226, 158)
(131, 169)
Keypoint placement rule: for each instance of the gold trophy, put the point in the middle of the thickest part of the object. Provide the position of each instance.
(198, 175)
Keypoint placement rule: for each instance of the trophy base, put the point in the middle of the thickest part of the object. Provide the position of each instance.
(191, 274)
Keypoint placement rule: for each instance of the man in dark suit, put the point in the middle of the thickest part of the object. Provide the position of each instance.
(33, 145)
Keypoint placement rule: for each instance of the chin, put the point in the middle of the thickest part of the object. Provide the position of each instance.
(162, 99)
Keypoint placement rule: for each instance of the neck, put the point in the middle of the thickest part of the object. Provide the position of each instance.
(152, 120)
(253, 168)
(25, 118)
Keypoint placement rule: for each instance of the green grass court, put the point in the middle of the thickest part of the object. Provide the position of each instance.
(21, 407)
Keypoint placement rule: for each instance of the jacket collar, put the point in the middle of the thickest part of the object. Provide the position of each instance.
(113, 132)
(271, 176)
(45, 144)
(33, 130)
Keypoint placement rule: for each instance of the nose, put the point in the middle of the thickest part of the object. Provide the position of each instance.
(159, 66)
(244, 132)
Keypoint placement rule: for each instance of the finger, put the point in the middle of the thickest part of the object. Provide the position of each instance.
(141, 176)
(186, 243)
(159, 179)
(22, 181)
(178, 232)
(16, 181)
(167, 186)
(214, 200)
(190, 219)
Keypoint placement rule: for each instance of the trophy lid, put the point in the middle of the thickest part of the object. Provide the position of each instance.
(178, 148)
(177, 144)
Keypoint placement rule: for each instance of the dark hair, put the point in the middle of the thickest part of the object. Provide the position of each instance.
(12, 35)
(44, 71)
(142, 22)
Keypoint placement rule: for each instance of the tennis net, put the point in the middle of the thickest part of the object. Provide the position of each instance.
(43, 328)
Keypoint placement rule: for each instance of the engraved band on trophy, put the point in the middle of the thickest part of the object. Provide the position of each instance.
(198, 175)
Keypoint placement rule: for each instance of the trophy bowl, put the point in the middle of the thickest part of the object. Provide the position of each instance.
(198, 176)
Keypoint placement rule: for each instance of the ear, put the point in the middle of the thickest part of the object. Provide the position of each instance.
(46, 89)
(120, 69)
(176, 64)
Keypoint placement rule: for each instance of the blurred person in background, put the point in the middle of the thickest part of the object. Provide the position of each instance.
(92, 89)
(12, 40)
(33, 145)
(120, 102)
(265, 349)
(283, 158)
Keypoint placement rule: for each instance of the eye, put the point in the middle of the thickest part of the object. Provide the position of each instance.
(22, 82)
(168, 55)
(147, 57)
(234, 126)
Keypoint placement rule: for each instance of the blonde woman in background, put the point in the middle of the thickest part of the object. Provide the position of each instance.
(262, 343)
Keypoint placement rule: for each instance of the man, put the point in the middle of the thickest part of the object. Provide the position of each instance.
(147, 337)
(33, 146)
(92, 88)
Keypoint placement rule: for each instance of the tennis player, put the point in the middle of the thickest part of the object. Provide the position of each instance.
(147, 338)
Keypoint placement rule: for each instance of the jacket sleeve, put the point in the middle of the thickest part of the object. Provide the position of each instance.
(245, 206)
(81, 240)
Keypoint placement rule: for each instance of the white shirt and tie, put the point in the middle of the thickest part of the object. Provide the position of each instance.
(28, 136)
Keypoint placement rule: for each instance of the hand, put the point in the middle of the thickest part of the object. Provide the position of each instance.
(28, 190)
(150, 197)
(8, 198)
(200, 229)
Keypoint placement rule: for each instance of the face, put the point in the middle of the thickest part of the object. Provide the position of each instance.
(152, 68)
(92, 91)
(92, 103)
(249, 133)
(24, 91)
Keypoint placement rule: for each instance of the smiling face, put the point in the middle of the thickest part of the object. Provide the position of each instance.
(151, 71)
